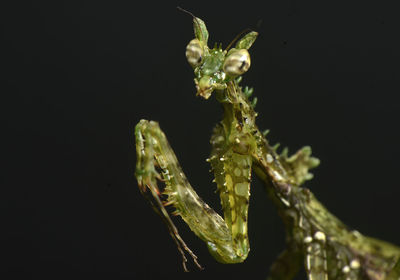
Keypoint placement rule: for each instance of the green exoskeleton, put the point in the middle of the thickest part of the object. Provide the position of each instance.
(315, 238)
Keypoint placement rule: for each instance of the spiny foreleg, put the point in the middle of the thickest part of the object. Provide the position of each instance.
(148, 150)
(154, 152)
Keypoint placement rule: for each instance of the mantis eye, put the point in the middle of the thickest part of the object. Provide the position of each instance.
(237, 63)
(194, 52)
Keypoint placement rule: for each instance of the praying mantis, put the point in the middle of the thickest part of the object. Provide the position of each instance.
(315, 238)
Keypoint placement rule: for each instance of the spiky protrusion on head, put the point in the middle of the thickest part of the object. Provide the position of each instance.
(215, 67)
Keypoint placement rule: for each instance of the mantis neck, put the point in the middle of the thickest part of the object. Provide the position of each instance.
(239, 114)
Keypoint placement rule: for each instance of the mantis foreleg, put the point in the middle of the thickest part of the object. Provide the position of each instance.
(225, 240)
(148, 148)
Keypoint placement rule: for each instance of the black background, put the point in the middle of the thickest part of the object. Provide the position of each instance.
(79, 76)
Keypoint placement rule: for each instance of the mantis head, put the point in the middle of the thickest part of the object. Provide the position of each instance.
(214, 68)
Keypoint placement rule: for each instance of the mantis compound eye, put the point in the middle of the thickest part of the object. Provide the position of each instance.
(237, 62)
(194, 52)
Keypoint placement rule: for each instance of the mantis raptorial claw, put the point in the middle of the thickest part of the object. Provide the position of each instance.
(315, 237)
(147, 180)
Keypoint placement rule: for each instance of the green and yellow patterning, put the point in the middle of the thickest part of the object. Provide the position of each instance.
(315, 238)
